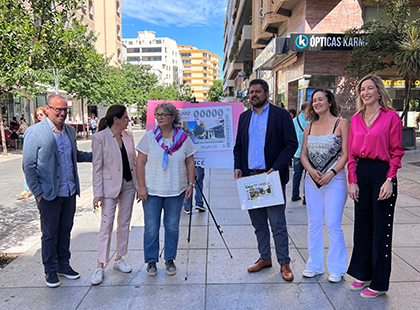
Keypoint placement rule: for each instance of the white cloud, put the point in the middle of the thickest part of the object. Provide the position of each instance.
(180, 13)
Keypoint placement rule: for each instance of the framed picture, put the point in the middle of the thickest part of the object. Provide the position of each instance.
(260, 190)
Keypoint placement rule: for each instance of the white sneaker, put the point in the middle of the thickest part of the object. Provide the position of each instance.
(334, 278)
(98, 276)
(121, 266)
(308, 273)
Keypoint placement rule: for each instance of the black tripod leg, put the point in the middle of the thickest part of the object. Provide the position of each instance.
(189, 238)
(212, 216)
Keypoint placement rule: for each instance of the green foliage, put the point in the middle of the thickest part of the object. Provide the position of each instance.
(407, 60)
(215, 92)
(235, 45)
(392, 40)
(37, 35)
(382, 37)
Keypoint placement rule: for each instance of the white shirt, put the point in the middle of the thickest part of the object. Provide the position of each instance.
(173, 181)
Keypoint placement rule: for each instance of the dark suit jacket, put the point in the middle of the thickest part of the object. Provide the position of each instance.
(280, 142)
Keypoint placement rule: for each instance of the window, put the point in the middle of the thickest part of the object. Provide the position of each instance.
(133, 50)
(118, 7)
(151, 50)
(130, 43)
(133, 58)
(173, 61)
(185, 55)
(186, 61)
(187, 68)
(119, 32)
(158, 42)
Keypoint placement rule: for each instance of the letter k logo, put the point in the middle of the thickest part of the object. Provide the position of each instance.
(302, 41)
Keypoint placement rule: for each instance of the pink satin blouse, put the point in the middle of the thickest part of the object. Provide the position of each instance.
(381, 141)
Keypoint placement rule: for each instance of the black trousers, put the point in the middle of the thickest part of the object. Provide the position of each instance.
(56, 224)
(373, 222)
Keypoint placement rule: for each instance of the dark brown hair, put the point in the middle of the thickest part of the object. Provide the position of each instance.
(116, 110)
(312, 115)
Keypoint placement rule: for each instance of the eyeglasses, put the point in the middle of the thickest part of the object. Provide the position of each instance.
(161, 115)
(59, 110)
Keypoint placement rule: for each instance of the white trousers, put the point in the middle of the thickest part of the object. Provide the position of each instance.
(326, 203)
(125, 207)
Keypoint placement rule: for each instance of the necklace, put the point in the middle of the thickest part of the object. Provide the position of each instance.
(370, 119)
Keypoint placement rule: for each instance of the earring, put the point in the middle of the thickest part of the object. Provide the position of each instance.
(379, 97)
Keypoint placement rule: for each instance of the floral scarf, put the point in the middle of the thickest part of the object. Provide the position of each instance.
(178, 137)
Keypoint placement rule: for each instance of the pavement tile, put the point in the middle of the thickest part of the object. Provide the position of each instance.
(33, 298)
(271, 296)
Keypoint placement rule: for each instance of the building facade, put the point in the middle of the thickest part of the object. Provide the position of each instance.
(201, 68)
(103, 17)
(159, 54)
(298, 46)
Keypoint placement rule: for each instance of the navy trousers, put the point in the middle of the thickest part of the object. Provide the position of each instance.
(56, 224)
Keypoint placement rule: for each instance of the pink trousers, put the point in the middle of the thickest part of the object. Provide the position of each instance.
(125, 207)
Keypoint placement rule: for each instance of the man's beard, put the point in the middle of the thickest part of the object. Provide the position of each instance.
(257, 104)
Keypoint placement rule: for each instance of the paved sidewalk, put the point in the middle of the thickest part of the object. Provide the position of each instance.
(216, 281)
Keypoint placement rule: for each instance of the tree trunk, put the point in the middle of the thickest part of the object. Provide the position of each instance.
(3, 136)
(83, 120)
(406, 101)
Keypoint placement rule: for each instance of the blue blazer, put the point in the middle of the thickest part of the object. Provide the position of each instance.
(41, 160)
(280, 142)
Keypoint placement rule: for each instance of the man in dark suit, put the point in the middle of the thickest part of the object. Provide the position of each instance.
(266, 141)
(50, 157)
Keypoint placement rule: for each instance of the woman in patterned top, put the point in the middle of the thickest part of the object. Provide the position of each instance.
(374, 158)
(324, 155)
(165, 156)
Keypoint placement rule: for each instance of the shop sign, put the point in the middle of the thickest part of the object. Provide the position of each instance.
(323, 42)
(400, 83)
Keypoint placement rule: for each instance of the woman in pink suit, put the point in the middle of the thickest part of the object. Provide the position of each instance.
(114, 183)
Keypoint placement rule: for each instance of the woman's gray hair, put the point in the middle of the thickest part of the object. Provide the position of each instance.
(171, 110)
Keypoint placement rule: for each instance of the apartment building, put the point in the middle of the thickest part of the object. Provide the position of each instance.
(103, 17)
(161, 55)
(201, 68)
(291, 45)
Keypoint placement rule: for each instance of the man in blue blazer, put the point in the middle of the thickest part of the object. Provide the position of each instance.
(265, 142)
(50, 157)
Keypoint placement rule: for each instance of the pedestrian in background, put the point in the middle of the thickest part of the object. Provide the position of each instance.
(50, 155)
(266, 142)
(374, 158)
(300, 123)
(114, 184)
(93, 123)
(165, 157)
(39, 115)
(324, 155)
(199, 205)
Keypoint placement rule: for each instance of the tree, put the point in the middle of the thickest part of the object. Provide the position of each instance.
(215, 92)
(382, 39)
(407, 60)
(37, 35)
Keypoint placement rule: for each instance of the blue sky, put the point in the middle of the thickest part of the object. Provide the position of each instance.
(188, 22)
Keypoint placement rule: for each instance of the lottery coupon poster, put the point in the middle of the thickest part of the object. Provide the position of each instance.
(212, 126)
(260, 190)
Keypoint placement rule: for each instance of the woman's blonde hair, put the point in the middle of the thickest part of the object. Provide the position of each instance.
(384, 99)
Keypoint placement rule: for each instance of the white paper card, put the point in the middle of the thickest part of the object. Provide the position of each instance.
(260, 190)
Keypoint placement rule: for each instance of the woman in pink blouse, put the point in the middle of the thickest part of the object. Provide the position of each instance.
(374, 157)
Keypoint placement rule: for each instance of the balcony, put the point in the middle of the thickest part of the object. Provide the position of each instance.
(268, 22)
(244, 48)
(233, 70)
(284, 8)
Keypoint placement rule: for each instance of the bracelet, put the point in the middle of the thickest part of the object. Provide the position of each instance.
(192, 184)
(333, 171)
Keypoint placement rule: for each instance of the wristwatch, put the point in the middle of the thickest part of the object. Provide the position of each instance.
(192, 184)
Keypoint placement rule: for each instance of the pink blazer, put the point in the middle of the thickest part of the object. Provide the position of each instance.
(107, 162)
